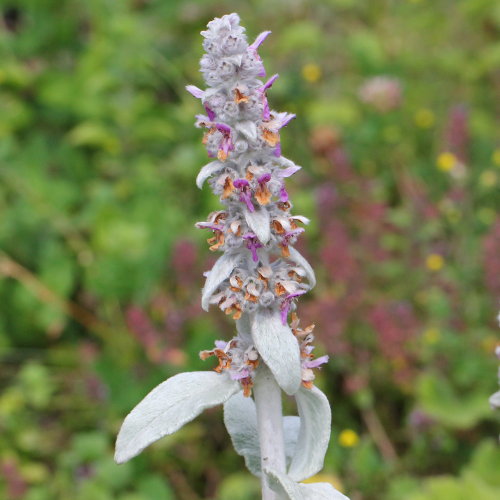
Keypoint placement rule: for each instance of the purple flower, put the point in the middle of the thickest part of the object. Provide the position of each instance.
(259, 40)
(266, 112)
(209, 225)
(289, 171)
(195, 91)
(223, 128)
(264, 178)
(283, 194)
(315, 363)
(238, 375)
(285, 118)
(271, 130)
(253, 50)
(291, 234)
(245, 193)
(226, 143)
(253, 244)
(203, 121)
(287, 302)
(210, 113)
(269, 83)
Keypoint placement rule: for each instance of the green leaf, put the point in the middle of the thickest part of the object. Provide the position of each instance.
(486, 463)
(460, 411)
(155, 487)
(113, 476)
(90, 446)
(239, 486)
(300, 36)
(35, 381)
(93, 134)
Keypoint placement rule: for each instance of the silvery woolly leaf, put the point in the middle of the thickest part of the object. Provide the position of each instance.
(298, 259)
(285, 162)
(290, 490)
(221, 271)
(241, 423)
(495, 401)
(244, 327)
(208, 170)
(259, 222)
(248, 129)
(291, 427)
(168, 407)
(240, 418)
(278, 347)
(314, 434)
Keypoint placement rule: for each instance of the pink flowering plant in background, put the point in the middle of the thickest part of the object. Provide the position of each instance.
(257, 281)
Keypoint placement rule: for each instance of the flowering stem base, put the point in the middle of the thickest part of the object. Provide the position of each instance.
(267, 395)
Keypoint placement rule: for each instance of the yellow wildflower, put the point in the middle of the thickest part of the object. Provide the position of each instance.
(348, 438)
(489, 344)
(488, 179)
(446, 161)
(496, 157)
(432, 335)
(434, 262)
(311, 72)
(325, 478)
(424, 118)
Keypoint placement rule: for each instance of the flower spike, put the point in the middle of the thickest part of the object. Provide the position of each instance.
(257, 281)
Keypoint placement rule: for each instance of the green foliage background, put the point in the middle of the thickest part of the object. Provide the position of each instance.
(100, 265)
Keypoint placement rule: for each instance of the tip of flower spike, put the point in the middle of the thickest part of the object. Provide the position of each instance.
(224, 23)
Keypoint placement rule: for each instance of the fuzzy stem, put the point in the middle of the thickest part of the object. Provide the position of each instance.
(267, 395)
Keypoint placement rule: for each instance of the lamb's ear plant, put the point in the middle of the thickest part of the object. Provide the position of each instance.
(256, 280)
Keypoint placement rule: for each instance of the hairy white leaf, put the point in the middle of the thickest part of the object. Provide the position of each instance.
(278, 347)
(168, 407)
(241, 423)
(207, 171)
(240, 417)
(315, 421)
(243, 326)
(259, 222)
(290, 490)
(291, 429)
(248, 129)
(301, 261)
(221, 271)
(495, 401)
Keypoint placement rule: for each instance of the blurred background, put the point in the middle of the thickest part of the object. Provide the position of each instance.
(101, 266)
